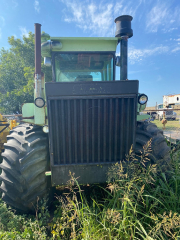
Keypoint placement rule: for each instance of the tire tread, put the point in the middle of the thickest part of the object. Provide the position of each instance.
(26, 149)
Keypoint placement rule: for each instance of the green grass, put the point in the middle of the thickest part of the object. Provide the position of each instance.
(170, 125)
(138, 202)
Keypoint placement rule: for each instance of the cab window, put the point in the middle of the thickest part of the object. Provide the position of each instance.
(70, 67)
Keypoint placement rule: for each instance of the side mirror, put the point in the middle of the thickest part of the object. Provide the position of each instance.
(117, 61)
(45, 37)
(47, 61)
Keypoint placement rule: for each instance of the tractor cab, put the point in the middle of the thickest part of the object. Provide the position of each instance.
(80, 59)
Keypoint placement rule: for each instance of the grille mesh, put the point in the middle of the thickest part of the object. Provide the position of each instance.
(169, 112)
(91, 129)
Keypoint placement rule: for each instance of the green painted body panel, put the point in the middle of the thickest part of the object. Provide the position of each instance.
(28, 111)
(87, 44)
(34, 114)
(142, 117)
(82, 45)
(142, 107)
(38, 114)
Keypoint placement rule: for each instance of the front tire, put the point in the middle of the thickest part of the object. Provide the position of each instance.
(25, 160)
(159, 154)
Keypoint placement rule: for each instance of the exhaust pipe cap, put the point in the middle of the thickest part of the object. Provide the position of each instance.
(123, 26)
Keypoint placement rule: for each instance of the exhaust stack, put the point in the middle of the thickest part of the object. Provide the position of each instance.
(123, 30)
(37, 75)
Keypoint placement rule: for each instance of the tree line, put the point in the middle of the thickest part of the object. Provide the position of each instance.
(17, 66)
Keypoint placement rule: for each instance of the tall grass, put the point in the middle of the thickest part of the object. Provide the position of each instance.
(139, 202)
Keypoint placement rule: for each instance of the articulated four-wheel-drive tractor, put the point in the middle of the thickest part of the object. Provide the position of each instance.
(81, 122)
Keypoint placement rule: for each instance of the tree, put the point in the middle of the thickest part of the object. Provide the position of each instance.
(17, 67)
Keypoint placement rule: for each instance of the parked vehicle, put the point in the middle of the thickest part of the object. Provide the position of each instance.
(169, 113)
(5, 127)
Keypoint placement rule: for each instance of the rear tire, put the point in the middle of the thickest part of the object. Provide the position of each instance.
(159, 150)
(25, 160)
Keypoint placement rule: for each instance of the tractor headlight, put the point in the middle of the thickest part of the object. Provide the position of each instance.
(142, 99)
(46, 129)
(39, 102)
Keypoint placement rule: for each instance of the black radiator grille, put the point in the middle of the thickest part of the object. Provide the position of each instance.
(91, 129)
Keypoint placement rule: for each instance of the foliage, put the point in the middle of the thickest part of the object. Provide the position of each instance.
(139, 202)
(14, 226)
(17, 74)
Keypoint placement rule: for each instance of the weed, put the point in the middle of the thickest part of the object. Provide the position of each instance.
(139, 202)
(14, 226)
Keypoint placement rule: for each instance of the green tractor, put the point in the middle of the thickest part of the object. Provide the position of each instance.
(82, 121)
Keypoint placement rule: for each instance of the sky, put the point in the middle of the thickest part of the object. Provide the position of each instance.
(153, 51)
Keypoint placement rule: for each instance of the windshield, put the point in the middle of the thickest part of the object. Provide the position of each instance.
(160, 106)
(70, 67)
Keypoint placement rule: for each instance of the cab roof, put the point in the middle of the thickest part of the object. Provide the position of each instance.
(79, 44)
(87, 43)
